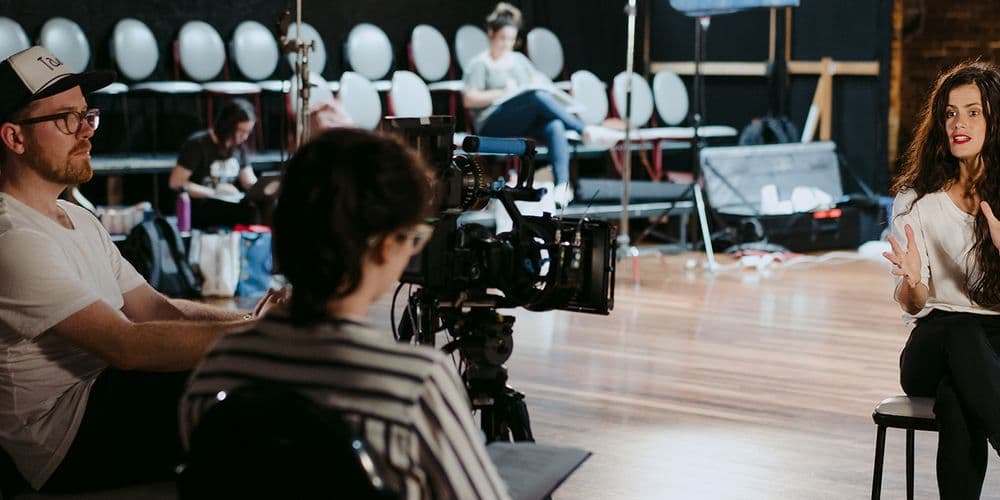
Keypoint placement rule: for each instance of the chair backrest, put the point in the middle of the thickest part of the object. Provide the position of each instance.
(66, 40)
(13, 39)
(642, 98)
(201, 51)
(360, 100)
(319, 92)
(429, 50)
(592, 93)
(470, 41)
(254, 50)
(317, 58)
(134, 49)
(269, 441)
(409, 96)
(368, 51)
(671, 97)
(545, 52)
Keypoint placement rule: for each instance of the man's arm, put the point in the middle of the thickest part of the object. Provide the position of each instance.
(150, 346)
(144, 303)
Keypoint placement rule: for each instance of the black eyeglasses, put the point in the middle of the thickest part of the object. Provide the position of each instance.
(68, 122)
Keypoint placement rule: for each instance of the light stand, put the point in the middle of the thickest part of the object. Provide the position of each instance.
(624, 245)
(301, 79)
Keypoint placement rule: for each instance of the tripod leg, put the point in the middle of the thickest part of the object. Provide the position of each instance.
(703, 219)
(519, 422)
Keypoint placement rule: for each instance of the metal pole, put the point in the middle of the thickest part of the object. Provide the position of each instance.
(623, 234)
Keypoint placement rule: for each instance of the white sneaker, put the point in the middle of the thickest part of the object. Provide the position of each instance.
(601, 137)
(562, 194)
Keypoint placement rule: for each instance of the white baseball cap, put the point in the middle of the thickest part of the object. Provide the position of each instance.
(36, 73)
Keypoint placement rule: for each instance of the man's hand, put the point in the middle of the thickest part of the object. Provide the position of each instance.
(272, 299)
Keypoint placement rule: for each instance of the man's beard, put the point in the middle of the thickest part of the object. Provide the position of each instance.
(72, 170)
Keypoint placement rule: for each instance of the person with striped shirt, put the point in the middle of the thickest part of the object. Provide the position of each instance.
(350, 216)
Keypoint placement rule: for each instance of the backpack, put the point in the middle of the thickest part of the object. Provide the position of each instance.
(155, 249)
(769, 130)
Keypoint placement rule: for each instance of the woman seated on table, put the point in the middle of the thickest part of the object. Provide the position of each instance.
(210, 165)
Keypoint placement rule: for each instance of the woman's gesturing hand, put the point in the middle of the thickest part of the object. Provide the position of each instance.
(906, 262)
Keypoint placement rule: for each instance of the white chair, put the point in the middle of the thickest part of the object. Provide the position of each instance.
(136, 54)
(369, 53)
(592, 94)
(255, 53)
(409, 96)
(13, 39)
(202, 55)
(65, 39)
(429, 50)
(670, 97)
(674, 109)
(470, 41)
(546, 53)
(360, 100)
(432, 61)
(319, 92)
(317, 57)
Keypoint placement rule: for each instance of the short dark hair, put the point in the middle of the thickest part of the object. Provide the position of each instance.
(230, 115)
(504, 14)
(342, 189)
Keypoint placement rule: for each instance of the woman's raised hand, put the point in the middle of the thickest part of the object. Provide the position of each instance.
(993, 222)
(906, 262)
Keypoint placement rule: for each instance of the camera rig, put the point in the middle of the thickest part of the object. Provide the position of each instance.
(467, 272)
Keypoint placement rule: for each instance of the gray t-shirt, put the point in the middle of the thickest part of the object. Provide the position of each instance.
(49, 272)
(483, 73)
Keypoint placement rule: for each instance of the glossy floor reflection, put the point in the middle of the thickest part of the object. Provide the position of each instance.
(738, 384)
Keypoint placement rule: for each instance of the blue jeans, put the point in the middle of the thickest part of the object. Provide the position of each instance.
(538, 116)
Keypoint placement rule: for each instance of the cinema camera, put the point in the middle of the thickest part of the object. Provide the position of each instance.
(466, 272)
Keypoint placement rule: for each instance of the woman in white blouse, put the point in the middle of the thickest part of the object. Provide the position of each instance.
(946, 259)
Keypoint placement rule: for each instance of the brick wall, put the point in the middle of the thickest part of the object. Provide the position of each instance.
(948, 32)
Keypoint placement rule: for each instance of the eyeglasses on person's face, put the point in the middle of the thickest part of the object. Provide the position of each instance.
(68, 122)
(417, 235)
(420, 235)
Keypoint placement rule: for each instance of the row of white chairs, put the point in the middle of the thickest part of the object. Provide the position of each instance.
(201, 52)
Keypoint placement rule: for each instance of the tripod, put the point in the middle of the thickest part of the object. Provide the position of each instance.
(484, 340)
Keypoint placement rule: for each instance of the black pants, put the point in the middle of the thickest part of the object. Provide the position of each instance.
(128, 434)
(953, 357)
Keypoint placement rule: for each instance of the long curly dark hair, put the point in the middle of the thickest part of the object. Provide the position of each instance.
(342, 189)
(928, 167)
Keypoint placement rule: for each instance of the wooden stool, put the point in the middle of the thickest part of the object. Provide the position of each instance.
(901, 412)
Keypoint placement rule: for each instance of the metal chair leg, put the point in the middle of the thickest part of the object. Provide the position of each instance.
(909, 464)
(879, 456)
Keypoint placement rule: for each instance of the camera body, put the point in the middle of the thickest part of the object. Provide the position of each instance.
(542, 263)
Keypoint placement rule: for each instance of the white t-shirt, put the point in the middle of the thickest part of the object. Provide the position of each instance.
(48, 273)
(944, 236)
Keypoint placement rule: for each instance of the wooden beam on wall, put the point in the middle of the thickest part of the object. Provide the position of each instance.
(713, 68)
(895, 81)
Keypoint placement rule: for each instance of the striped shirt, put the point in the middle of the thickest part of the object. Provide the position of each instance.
(406, 401)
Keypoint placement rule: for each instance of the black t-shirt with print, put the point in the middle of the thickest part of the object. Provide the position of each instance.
(209, 166)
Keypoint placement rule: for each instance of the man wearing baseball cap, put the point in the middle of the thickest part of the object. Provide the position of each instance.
(94, 358)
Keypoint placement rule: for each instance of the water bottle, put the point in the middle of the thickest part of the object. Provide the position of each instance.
(183, 211)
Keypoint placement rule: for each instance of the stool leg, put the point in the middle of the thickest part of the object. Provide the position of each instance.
(909, 464)
(879, 455)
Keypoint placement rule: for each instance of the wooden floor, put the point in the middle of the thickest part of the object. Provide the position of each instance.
(731, 385)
